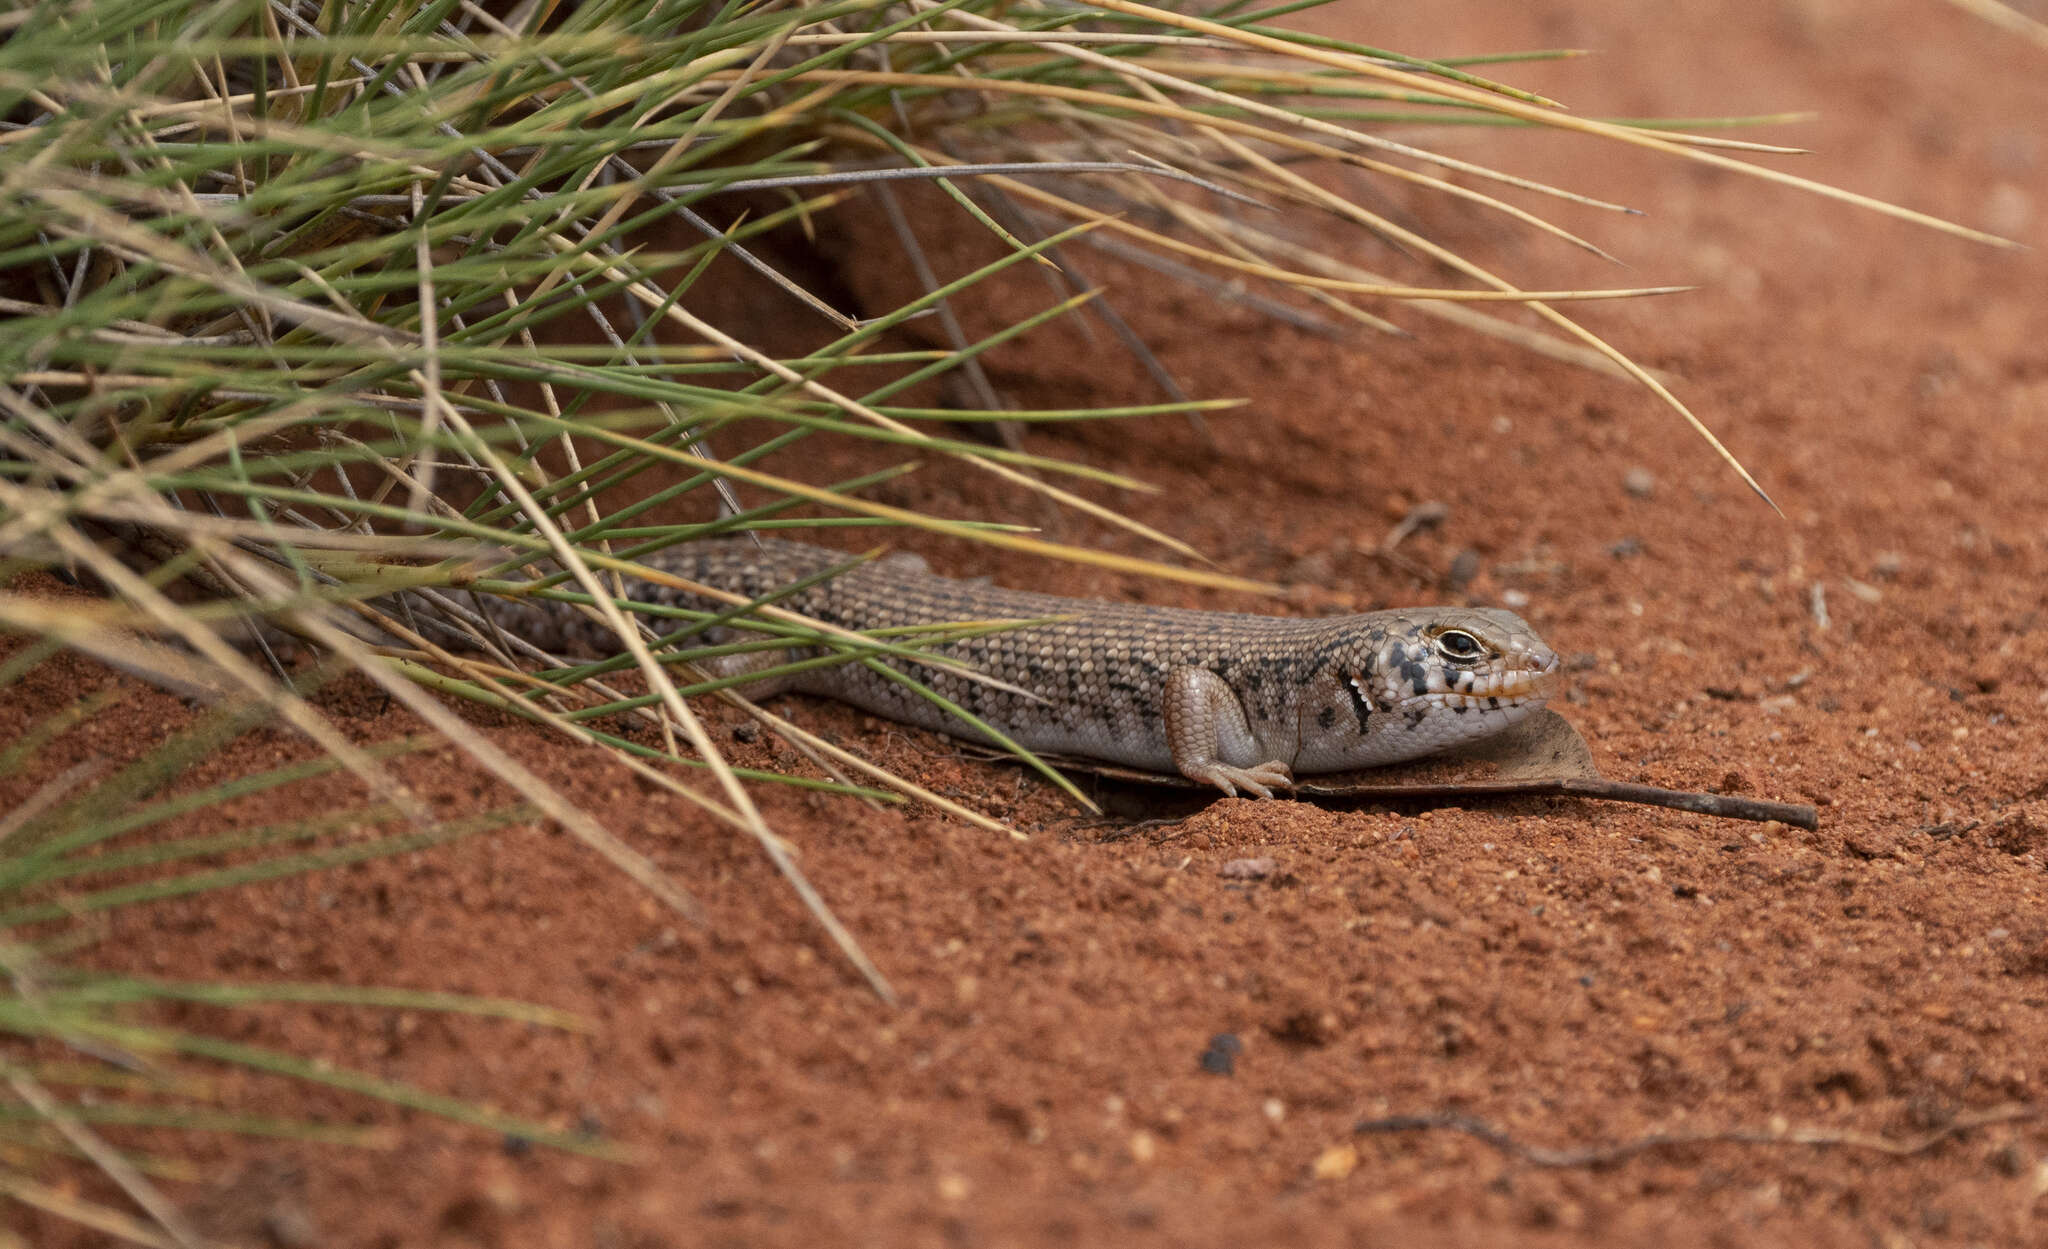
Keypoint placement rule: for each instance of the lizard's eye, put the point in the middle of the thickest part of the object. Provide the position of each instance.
(1457, 645)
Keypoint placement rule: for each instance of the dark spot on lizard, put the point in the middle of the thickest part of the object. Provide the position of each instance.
(1326, 717)
(1415, 673)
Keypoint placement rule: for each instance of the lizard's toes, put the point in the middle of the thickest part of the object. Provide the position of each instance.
(1261, 780)
(1275, 773)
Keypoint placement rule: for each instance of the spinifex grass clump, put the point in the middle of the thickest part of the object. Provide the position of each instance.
(308, 303)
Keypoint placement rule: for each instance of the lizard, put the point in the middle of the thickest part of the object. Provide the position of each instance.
(1235, 700)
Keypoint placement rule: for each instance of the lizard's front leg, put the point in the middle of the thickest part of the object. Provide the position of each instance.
(1204, 722)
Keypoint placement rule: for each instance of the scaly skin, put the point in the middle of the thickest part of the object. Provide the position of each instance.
(1241, 702)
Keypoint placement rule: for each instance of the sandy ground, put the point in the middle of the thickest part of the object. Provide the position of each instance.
(1573, 976)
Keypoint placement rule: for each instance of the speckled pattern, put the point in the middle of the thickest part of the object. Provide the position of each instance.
(1238, 700)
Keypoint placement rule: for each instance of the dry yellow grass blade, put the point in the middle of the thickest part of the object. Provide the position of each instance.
(1235, 71)
(176, 1228)
(915, 520)
(1105, 100)
(858, 764)
(580, 825)
(760, 359)
(1541, 116)
(348, 325)
(1533, 340)
(119, 648)
(1381, 225)
(84, 1213)
(239, 673)
(1408, 238)
(1307, 281)
(228, 665)
(88, 221)
(1158, 73)
(1389, 229)
(2007, 18)
(742, 803)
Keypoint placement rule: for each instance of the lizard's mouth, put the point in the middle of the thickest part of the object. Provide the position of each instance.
(1514, 689)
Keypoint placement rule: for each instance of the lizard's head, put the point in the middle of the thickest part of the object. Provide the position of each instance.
(1445, 675)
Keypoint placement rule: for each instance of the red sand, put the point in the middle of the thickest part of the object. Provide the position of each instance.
(1569, 973)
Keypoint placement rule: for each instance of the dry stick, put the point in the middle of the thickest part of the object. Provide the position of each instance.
(1607, 1155)
(984, 392)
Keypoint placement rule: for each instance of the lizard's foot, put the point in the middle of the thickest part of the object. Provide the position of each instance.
(1261, 780)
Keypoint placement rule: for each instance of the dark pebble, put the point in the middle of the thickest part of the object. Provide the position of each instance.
(1221, 1056)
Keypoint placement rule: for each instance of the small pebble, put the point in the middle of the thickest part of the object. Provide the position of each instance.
(1640, 482)
(1627, 548)
(746, 731)
(1513, 600)
(1249, 869)
(1464, 567)
(1336, 1162)
(1221, 1057)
